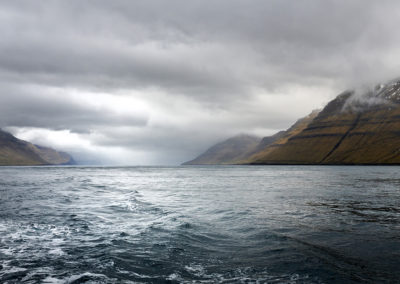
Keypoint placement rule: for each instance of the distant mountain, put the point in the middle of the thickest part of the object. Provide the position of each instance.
(353, 129)
(16, 152)
(229, 151)
(245, 148)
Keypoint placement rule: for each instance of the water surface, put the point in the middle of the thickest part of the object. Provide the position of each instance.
(264, 224)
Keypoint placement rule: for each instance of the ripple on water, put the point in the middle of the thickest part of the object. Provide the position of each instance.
(199, 225)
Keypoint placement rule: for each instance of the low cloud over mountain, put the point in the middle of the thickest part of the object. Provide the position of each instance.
(139, 82)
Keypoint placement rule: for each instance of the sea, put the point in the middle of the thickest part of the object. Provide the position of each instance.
(200, 224)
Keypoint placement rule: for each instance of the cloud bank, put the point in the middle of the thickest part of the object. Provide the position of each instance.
(157, 82)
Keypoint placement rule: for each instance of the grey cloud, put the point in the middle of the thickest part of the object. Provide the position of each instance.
(97, 42)
(217, 55)
(35, 107)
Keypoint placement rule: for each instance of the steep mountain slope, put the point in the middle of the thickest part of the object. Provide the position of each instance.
(351, 129)
(245, 148)
(227, 152)
(54, 157)
(16, 152)
(282, 139)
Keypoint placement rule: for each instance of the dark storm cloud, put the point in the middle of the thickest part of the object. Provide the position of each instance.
(187, 45)
(208, 58)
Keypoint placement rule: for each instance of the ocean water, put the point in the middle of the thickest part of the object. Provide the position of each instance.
(261, 224)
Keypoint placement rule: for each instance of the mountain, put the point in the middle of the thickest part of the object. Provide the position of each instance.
(229, 151)
(54, 157)
(282, 138)
(352, 129)
(355, 128)
(244, 148)
(16, 152)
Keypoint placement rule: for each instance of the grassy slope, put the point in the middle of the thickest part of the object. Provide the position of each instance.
(243, 148)
(294, 130)
(344, 136)
(17, 152)
(227, 152)
(52, 156)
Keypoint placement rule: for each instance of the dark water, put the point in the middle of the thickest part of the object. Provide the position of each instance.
(200, 225)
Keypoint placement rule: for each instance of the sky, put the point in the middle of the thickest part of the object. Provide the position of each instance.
(158, 82)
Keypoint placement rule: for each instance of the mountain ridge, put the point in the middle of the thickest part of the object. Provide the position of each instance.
(352, 129)
(229, 151)
(239, 154)
(355, 128)
(17, 152)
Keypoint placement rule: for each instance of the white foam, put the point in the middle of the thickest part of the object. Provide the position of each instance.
(195, 269)
(72, 278)
(175, 276)
(56, 251)
(52, 280)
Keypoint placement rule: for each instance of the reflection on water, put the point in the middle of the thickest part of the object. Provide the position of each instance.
(200, 225)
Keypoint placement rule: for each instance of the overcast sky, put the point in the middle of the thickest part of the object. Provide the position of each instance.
(158, 82)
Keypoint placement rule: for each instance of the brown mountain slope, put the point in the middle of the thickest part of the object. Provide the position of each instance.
(264, 150)
(16, 152)
(240, 149)
(228, 151)
(351, 129)
(53, 157)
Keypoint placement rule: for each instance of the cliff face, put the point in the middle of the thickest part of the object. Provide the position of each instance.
(16, 152)
(351, 129)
